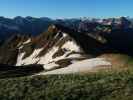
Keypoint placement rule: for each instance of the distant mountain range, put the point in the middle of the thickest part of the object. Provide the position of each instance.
(34, 26)
(23, 26)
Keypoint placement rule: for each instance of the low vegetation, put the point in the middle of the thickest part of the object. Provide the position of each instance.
(106, 85)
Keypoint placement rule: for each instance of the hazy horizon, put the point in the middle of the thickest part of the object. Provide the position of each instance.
(87, 17)
(66, 8)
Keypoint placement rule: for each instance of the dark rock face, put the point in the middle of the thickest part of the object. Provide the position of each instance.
(8, 56)
(9, 50)
(121, 40)
(87, 43)
(9, 71)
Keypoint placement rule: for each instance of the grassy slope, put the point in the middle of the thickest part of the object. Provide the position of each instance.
(99, 86)
(103, 85)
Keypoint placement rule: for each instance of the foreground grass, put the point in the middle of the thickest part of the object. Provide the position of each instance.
(110, 85)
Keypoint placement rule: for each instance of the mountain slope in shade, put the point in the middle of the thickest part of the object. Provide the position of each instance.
(23, 26)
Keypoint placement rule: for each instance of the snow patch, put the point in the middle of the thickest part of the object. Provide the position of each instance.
(21, 47)
(70, 45)
(65, 35)
(48, 57)
(50, 66)
(19, 59)
(29, 60)
(74, 56)
(28, 41)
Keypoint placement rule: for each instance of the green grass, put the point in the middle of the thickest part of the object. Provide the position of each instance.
(111, 85)
(102, 85)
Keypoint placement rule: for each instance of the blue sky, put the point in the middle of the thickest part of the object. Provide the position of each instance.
(66, 8)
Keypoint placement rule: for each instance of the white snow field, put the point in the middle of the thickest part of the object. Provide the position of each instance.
(79, 67)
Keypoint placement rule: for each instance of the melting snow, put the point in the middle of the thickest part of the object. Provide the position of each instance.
(47, 60)
(28, 41)
(21, 47)
(50, 66)
(70, 45)
(48, 57)
(81, 66)
(19, 60)
(74, 56)
(64, 35)
(29, 60)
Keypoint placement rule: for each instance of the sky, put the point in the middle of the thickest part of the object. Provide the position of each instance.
(66, 8)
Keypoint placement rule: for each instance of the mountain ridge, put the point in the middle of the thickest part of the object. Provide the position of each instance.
(62, 46)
